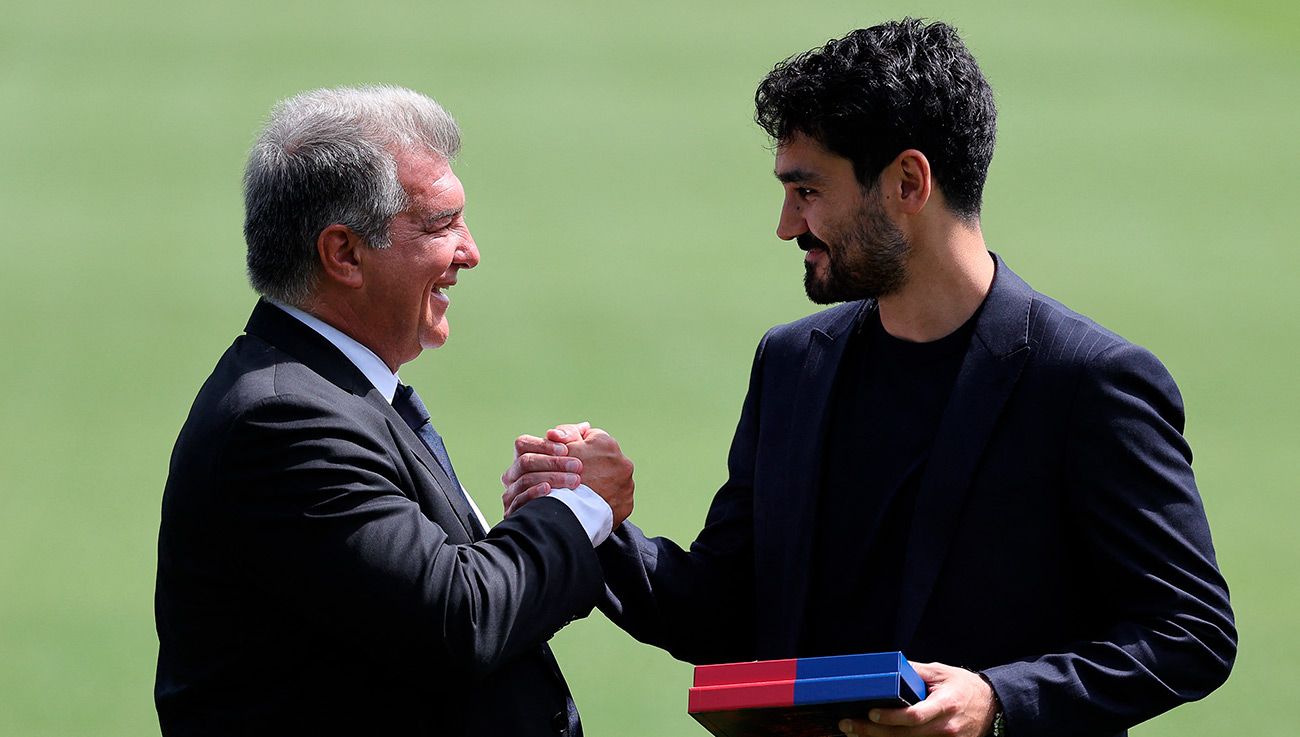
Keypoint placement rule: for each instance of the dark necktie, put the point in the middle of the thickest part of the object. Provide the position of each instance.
(408, 405)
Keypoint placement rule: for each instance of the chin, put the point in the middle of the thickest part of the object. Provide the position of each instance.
(435, 338)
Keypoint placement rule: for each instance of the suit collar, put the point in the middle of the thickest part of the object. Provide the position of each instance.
(313, 350)
(374, 368)
(835, 325)
(1003, 322)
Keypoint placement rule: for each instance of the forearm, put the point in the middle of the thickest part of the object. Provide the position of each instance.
(676, 600)
(331, 537)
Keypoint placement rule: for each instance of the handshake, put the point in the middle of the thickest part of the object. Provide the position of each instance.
(568, 456)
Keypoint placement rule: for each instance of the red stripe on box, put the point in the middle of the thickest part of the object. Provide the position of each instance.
(741, 696)
(755, 672)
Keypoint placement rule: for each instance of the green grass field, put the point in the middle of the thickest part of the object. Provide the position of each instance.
(624, 205)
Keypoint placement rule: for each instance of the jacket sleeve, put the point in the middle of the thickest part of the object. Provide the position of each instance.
(324, 530)
(1166, 634)
(697, 604)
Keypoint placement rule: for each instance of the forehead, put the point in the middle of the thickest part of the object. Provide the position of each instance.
(428, 180)
(802, 160)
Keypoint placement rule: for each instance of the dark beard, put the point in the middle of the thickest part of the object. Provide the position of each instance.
(868, 263)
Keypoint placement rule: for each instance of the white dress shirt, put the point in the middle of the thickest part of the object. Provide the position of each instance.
(592, 511)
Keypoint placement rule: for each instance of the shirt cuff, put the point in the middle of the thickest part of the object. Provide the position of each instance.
(592, 511)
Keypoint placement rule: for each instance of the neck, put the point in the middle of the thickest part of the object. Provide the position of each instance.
(949, 275)
(343, 316)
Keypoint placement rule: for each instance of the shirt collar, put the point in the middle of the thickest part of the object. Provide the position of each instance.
(374, 368)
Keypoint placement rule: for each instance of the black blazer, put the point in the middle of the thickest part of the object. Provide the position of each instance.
(1059, 543)
(318, 573)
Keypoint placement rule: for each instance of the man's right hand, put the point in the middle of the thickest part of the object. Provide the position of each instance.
(604, 468)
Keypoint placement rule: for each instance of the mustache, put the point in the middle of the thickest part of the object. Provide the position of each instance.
(808, 241)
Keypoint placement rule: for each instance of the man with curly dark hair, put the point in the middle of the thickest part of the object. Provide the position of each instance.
(948, 463)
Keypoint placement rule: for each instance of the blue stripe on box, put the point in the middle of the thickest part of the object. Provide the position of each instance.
(850, 665)
(832, 666)
(846, 688)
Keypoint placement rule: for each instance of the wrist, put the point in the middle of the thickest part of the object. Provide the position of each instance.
(999, 726)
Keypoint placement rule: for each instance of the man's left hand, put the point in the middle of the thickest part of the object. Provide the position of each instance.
(958, 703)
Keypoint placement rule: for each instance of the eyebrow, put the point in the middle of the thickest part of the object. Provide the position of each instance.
(442, 215)
(799, 176)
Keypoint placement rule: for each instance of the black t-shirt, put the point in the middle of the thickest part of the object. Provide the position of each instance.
(888, 398)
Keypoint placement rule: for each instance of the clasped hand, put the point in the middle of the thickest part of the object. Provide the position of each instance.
(569, 455)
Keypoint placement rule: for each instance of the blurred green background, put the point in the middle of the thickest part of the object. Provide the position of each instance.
(624, 205)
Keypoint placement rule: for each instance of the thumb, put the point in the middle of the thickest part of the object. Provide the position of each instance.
(930, 672)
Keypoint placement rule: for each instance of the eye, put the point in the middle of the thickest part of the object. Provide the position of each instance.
(804, 192)
(443, 224)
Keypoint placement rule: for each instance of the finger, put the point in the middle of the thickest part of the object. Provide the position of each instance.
(534, 444)
(523, 498)
(568, 433)
(512, 493)
(930, 672)
(533, 463)
(536, 462)
(923, 712)
(556, 480)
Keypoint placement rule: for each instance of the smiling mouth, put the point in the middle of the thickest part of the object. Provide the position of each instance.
(439, 293)
(810, 242)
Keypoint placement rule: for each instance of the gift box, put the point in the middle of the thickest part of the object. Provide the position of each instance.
(800, 697)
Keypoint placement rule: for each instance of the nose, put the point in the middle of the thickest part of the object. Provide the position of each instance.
(466, 256)
(791, 224)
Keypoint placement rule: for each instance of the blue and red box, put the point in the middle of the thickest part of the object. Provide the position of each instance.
(800, 696)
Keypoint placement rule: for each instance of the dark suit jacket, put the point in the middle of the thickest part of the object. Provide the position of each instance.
(1059, 543)
(319, 574)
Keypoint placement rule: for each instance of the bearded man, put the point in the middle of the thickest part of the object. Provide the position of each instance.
(948, 463)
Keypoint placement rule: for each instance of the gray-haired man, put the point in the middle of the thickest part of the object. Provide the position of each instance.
(320, 569)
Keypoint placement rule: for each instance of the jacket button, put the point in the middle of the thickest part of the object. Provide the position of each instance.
(560, 723)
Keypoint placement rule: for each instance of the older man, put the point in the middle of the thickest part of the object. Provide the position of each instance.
(320, 568)
(949, 463)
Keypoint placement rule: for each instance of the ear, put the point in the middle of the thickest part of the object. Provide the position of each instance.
(913, 185)
(340, 251)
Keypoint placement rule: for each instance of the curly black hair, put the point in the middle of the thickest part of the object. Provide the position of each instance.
(879, 91)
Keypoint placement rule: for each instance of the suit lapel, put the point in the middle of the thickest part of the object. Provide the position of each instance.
(988, 374)
(282, 330)
(797, 503)
(452, 495)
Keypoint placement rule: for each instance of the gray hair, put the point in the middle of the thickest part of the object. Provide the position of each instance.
(326, 157)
